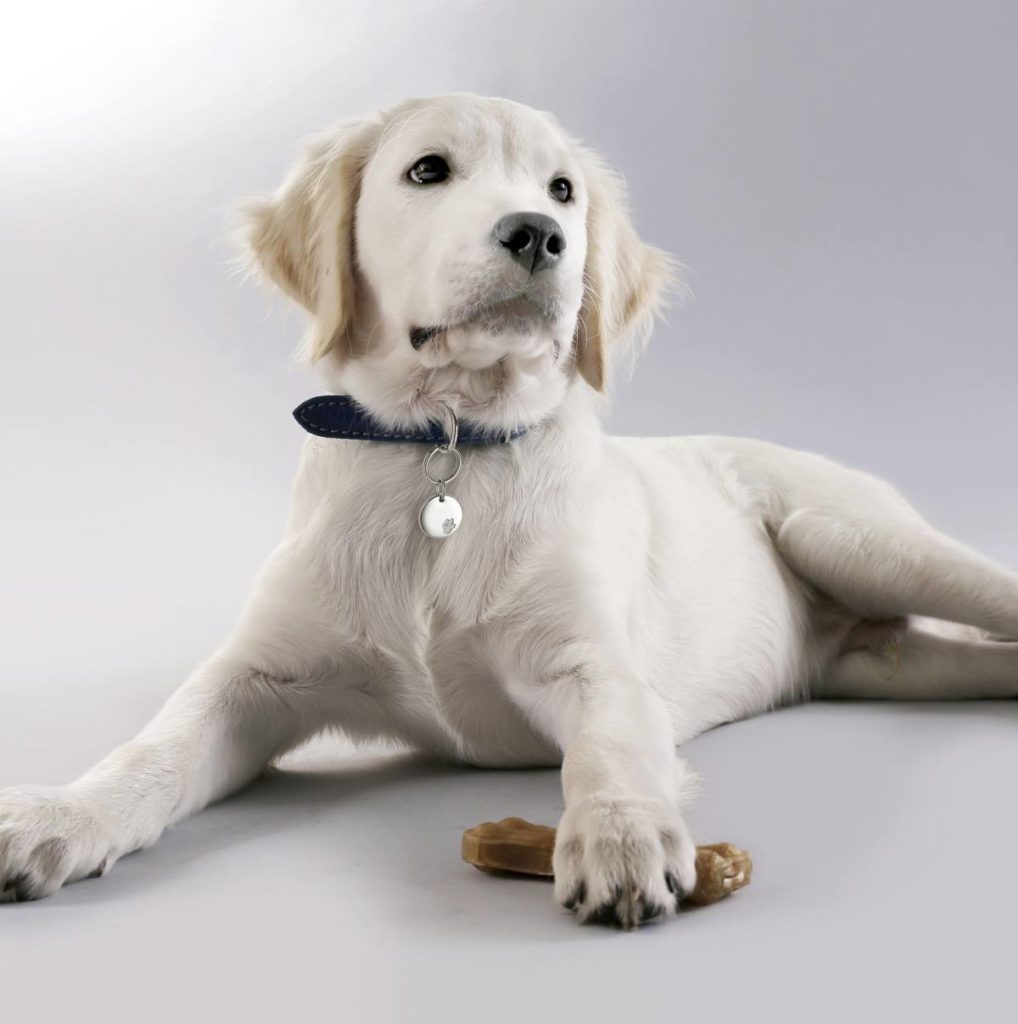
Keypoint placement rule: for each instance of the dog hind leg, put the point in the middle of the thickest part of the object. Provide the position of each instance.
(893, 565)
(923, 662)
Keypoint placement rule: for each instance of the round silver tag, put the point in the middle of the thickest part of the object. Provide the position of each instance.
(441, 516)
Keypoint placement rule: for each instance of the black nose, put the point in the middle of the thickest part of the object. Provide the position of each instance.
(534, 240)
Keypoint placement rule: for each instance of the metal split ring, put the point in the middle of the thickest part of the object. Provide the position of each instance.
(454, 429)
(442, 449)
(449, 448)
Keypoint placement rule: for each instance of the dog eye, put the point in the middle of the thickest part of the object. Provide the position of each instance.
(429, 170)
(561, 190)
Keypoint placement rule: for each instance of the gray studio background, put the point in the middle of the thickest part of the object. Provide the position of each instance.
(840, 180)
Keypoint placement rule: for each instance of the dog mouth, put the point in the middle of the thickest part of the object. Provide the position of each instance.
(515, 316)
(420, 336)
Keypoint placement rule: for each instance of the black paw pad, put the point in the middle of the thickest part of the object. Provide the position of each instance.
(19, 888)
(650, 912)
(675, 888)
(576, 897)
(607, 913)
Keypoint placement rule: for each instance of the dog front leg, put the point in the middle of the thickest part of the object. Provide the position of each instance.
(213, 735)
(623, 853)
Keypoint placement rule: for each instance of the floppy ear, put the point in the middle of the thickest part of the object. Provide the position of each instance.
(302, 238)
(624, 280)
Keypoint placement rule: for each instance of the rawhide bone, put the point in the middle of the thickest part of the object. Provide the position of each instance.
(518, 847)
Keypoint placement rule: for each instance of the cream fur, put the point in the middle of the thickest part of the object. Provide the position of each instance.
(605, 599)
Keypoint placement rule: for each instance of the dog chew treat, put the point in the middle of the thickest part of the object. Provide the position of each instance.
(518, 847)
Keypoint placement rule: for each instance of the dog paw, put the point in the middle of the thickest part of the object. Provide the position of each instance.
(623, 862)
(48, 836)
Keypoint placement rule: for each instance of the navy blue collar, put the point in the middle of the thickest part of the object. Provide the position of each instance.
(341, 416)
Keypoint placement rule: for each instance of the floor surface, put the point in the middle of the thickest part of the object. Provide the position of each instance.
(883, 837)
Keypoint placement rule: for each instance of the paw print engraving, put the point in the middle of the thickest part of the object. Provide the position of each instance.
(448, 525)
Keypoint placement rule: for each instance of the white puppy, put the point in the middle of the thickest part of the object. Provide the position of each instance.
(604, 599)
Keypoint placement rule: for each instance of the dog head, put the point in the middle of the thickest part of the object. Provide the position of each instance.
(457, 250)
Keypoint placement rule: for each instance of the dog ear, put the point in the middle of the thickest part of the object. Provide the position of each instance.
(302, 238)
(624, 280)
